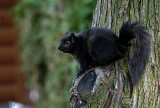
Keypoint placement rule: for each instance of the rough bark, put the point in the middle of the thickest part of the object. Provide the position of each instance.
(112, 87)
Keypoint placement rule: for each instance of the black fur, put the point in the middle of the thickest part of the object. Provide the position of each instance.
(100, 46)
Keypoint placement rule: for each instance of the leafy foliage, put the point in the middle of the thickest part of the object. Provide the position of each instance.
(42, 23)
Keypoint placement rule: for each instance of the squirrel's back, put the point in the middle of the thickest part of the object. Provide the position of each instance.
(101, 45)
(99, 32)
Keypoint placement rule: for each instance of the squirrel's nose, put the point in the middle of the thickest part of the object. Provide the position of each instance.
(60, 48)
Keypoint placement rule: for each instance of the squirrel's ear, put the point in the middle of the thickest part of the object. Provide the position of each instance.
(73, 37)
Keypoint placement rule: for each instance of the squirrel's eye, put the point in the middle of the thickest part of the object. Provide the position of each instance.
(67, 43)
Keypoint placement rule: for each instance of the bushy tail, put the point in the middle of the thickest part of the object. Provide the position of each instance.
(140, 55)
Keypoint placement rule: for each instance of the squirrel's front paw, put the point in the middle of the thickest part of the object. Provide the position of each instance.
(79, 74)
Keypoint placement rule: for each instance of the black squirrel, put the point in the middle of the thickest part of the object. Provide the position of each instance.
(99, 46)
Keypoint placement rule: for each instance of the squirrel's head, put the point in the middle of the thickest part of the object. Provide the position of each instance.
(67, 43)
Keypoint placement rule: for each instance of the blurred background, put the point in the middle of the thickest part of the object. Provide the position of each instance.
(32, 70)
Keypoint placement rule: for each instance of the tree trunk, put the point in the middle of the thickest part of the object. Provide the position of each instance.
(107, 87)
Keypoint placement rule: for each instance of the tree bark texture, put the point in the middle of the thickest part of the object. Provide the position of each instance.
(112, 87)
